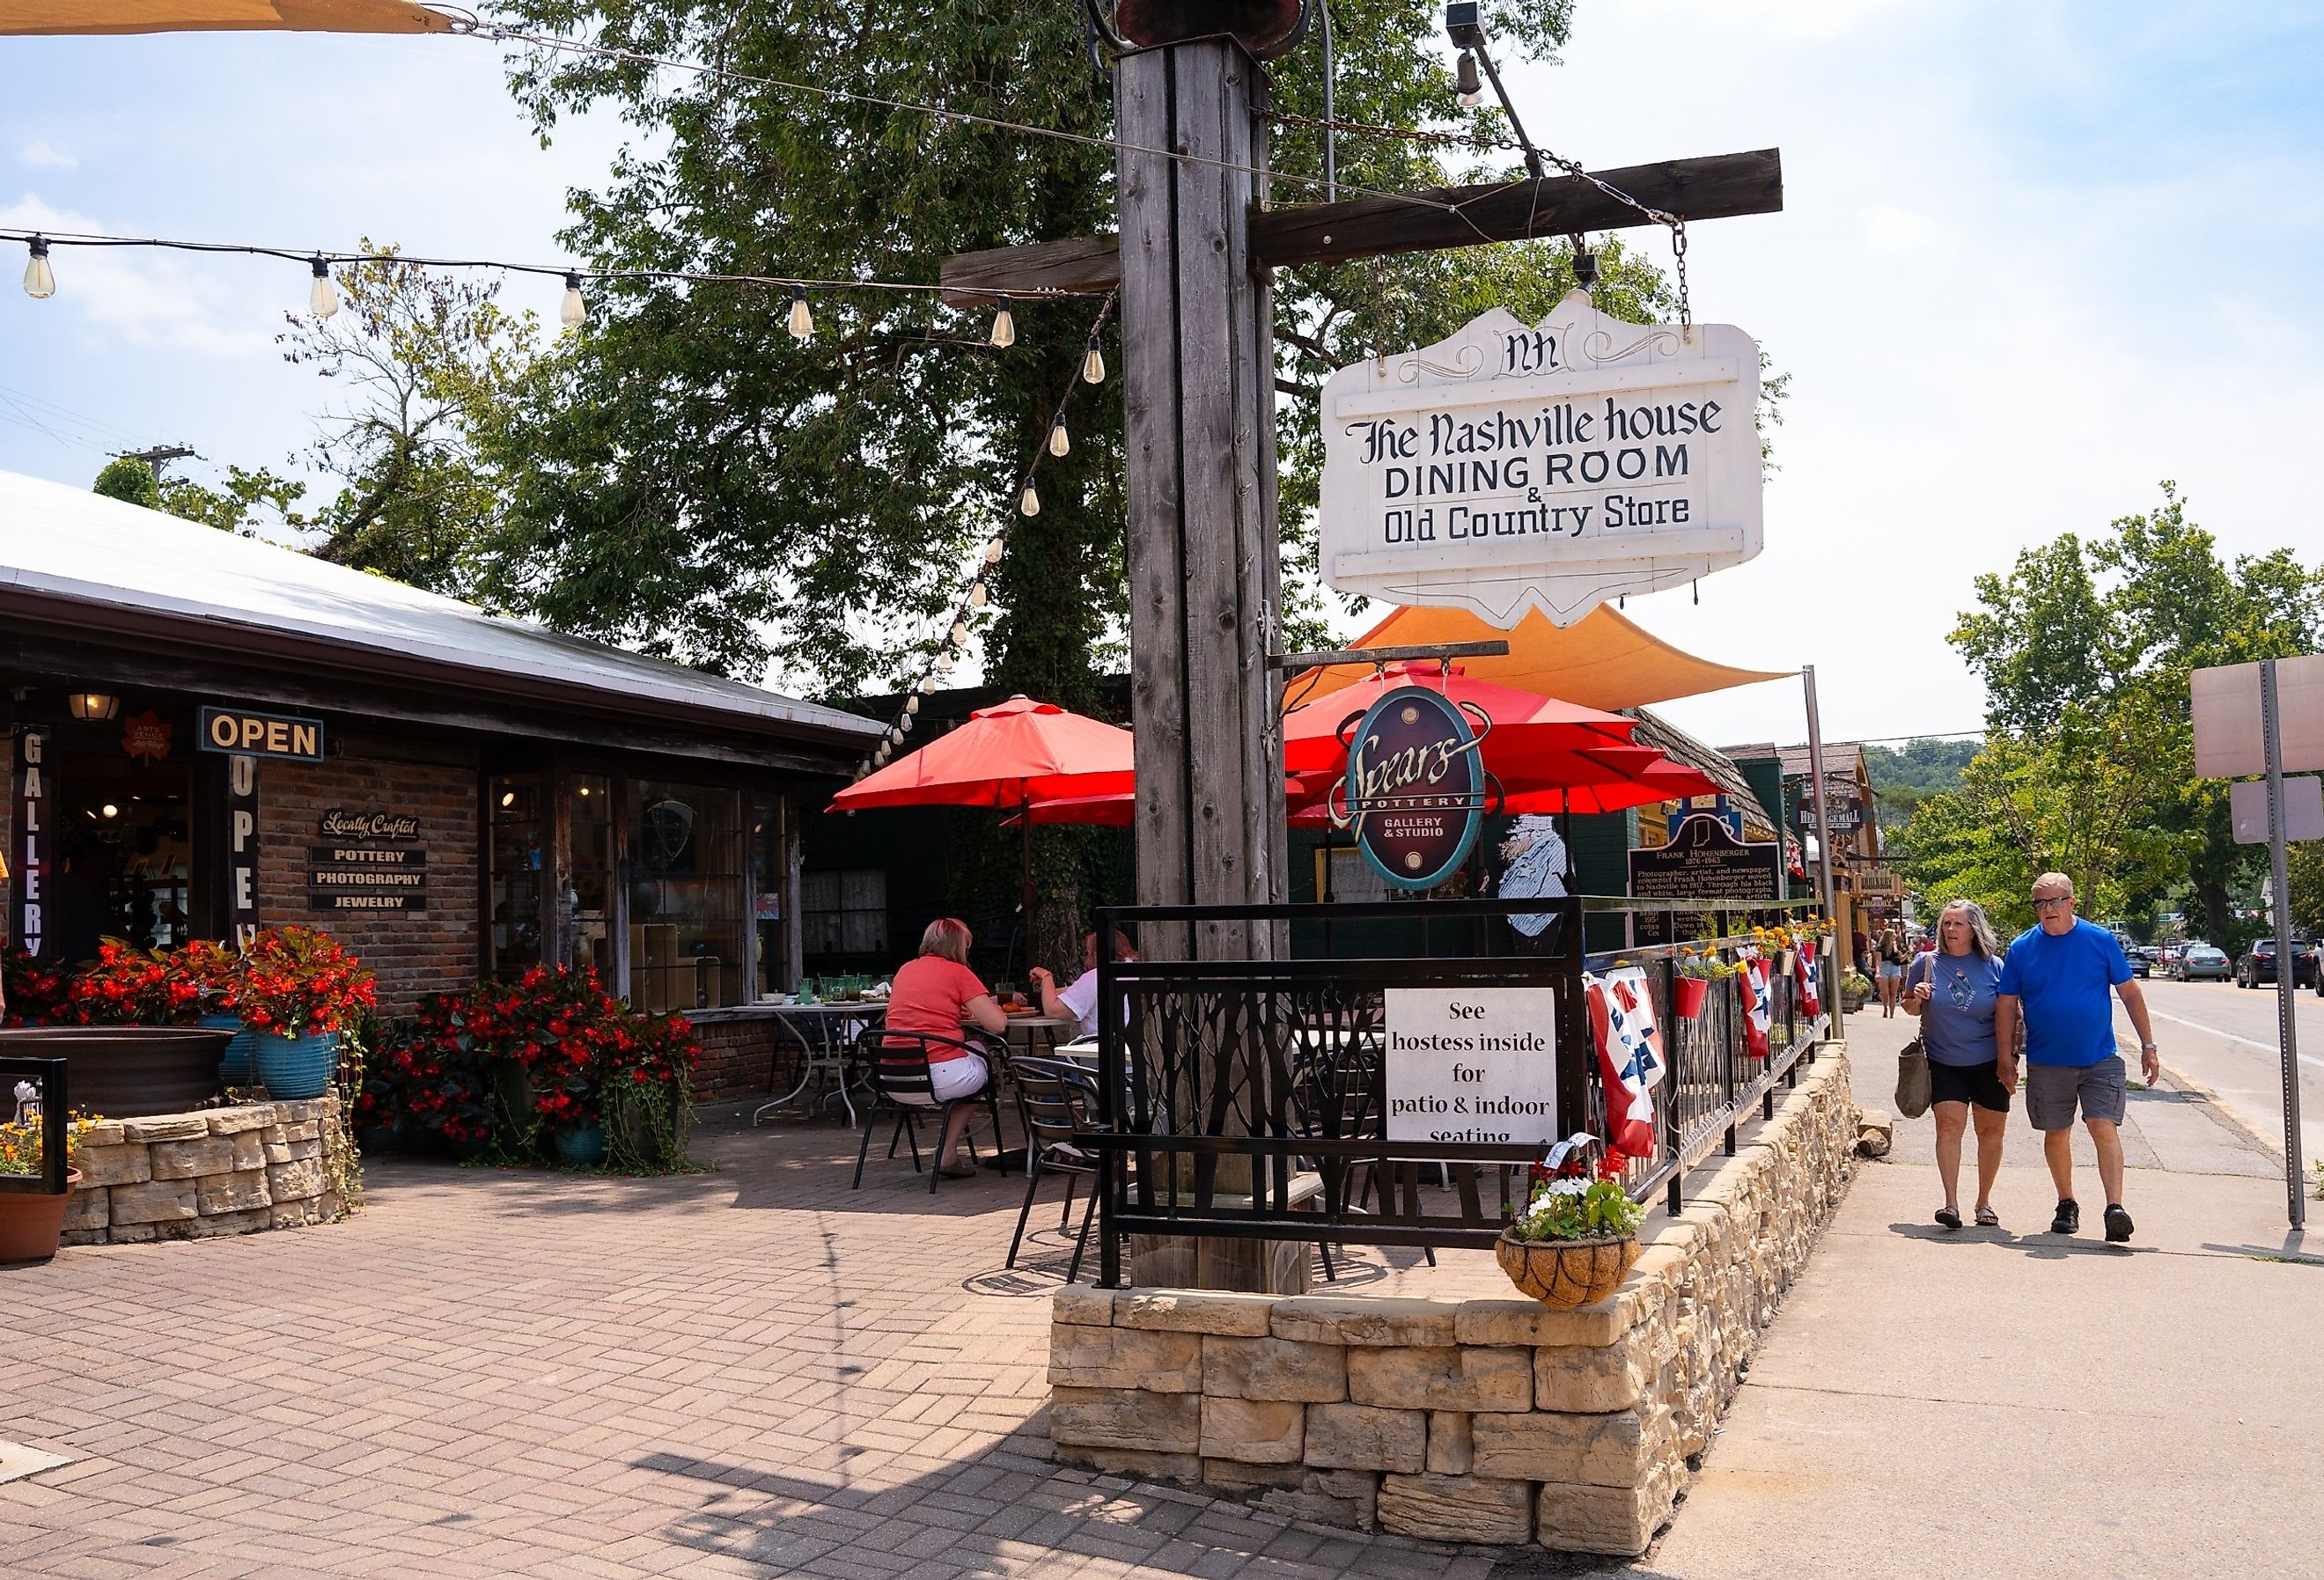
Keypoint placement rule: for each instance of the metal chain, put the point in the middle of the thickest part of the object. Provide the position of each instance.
(1678, 248)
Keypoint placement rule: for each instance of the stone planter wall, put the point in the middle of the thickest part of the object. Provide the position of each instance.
(1493, 1420)
(198, 1176)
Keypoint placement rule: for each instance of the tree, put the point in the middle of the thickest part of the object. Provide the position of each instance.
(1903, 777)
(246, 502)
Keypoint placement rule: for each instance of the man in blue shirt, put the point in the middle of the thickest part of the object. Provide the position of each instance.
(2055, 980)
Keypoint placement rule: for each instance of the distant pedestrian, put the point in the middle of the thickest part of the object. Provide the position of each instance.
(2055, 978)
(1890, 948)
(1952, 990)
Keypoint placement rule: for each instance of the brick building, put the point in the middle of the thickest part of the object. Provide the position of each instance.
(213, 733)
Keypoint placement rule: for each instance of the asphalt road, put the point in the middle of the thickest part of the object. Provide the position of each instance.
(2225, 1036)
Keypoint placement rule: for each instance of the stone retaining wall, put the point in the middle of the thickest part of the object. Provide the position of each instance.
(1498, 1420)
(198, 1176)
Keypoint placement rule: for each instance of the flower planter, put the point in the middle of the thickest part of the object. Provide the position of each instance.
(1566, 1273)
(233, 1067)
(294, 1068)
(581, 1145)
(124, 1071)
(31, 1223)
(1784, 963)
(1689, 994)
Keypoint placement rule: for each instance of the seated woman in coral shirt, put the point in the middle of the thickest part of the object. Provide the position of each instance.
(939, 995)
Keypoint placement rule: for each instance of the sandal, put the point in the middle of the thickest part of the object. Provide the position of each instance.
(1987, 1218)
(1949, 1216)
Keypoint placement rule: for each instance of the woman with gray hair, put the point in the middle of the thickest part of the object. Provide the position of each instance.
(1952, 989)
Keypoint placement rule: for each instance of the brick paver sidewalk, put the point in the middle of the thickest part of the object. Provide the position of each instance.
(749, 1373)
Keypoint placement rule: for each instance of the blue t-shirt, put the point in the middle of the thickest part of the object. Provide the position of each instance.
(1957, 1024)
(2061, 982)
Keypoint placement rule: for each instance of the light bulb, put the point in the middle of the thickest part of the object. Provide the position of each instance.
(1058, 443)
(1471, 90)
(905, 725)
(1004, 330)
(1029, 502)
(862, 769)
(1093, 363)
(574, 309)
(977, 594)
(960, 634)
(895, 736)
(992, 550)
(111, 810)
(912, 703)
(802, 321)
(928, 684)
(40, 280)
(322, 296)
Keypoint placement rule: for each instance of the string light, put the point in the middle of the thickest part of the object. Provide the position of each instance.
(322, 296)
(1030, 501)
(802, 321)
(40, 280)
(1058, 443)
(993, 550)
(959, 637)
(574, 311)
(1093, 363)
(977, 598)
(1004, 329)
(912, 703)
(904, 725)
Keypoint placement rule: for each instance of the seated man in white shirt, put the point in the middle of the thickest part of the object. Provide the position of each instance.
(1078, 1002)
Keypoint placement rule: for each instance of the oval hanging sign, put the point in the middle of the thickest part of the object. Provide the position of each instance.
(1414, 789)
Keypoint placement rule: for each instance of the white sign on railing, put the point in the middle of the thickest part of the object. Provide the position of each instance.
(1471, 1064)
(1551, 465)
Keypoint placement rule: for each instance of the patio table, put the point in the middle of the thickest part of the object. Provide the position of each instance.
(828, 1033)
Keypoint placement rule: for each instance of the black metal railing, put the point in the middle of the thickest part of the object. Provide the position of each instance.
(47, 1075)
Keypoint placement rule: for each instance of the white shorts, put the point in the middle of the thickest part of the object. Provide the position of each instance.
(961, 1076)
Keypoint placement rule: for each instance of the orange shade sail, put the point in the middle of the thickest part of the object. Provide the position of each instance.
(28, 18)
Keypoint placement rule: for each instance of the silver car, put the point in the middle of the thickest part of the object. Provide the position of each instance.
(2200, 961)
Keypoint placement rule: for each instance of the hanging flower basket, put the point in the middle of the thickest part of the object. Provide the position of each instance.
(1565, 1274)
(1689, 994)
(30, 1224)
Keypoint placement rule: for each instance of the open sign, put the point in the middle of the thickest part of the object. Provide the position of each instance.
(262, 734)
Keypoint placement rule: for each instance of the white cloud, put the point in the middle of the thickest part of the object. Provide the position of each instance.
(40, 155)
(134, 296)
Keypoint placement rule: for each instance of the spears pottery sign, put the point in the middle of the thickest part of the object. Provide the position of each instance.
(1415, 792)
(1551, 465)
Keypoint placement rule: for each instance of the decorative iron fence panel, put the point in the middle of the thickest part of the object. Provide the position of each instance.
(44, 1078)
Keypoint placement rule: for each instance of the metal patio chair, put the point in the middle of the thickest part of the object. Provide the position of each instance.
(901, 1080)
(1057, 1101)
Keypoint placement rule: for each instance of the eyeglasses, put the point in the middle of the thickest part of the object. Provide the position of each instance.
(2041, 904)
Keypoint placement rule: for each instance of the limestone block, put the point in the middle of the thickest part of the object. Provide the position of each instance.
(1450, 1449)
(297, 1214)
(1192, 1311)
(1125, 1417)
(165, 1127)
(1075, 1303)
(327, 1207)
(300, 1113)
(1354, 1436)
(1081, 1356)
(1442, 1377)
(1346, 1319)
(121, 1234)
(249, 1151)
(87, 1208)
(190, 1159)
(1457, 1508)
(1349, 1498)
(234, 1193)
(225, 1223)
(1239, 1478)
(1585, 1378)
(127, 1164)
(289, 1181)
(1253, 1431)
(103, 1132)
(81, 1237)
(234, 1121)
(1549, 1446)
(275, 1134)
(310, 1131)
(160, 1201)
(1620, 1521)
(1530, 1323)
(1274, 1368)
(1875, 1133)
(1180, 1469)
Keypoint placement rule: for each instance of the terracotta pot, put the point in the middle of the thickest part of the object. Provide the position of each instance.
(1565, 1274)
(29, 1223)
(1689, 994)
(124, 1071)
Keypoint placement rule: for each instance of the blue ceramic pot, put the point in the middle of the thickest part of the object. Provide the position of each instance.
(582, 1145)
(294, 1068)
(233, 1069)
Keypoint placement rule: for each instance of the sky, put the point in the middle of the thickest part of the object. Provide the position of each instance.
(2032, 260)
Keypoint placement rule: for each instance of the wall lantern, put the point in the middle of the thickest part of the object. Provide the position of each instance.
(92, 704)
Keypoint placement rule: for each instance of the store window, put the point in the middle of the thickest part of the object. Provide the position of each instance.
(519, 853)
(843, 918)
(589, 877)
(769, 866)
(687, 940)
(1342, 874)
(124, 836)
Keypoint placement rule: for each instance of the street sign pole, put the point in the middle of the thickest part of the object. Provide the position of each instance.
(1823, 843)
(2286, 971)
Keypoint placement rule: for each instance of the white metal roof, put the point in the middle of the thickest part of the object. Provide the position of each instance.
(74, 545)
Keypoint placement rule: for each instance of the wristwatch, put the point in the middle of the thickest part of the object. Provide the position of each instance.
(2147, 1047)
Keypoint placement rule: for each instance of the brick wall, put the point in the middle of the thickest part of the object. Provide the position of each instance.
(735, 1056)
(413, 953)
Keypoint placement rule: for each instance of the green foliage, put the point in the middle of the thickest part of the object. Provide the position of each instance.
(1903, 779)
(131, 481)
(1575, 1209)
(247, 500)
(2085, 650)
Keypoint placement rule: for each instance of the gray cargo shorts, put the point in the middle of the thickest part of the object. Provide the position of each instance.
(2051, 1091)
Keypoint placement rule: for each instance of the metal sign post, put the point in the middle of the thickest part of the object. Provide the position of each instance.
(1823, 840)
(2295, 1196)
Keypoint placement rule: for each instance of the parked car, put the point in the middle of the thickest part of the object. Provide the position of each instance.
(2203, 962)
(2166, 959)
(2142, 960)
(2259, 964)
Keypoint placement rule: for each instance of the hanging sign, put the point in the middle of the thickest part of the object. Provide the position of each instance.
(366, 877)
(1551, 465)
(29, 860)
(337, 823)
(1468, 1064)
(262, 734)
(1702, 861)
(1414, 789)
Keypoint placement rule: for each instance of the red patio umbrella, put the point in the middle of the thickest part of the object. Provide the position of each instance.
(1525, 726)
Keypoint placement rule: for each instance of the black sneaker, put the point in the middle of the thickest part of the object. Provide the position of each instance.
(2118, 1223)
(2068, 1220)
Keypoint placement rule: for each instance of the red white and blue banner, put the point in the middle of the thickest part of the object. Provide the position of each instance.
(1629, 1055)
